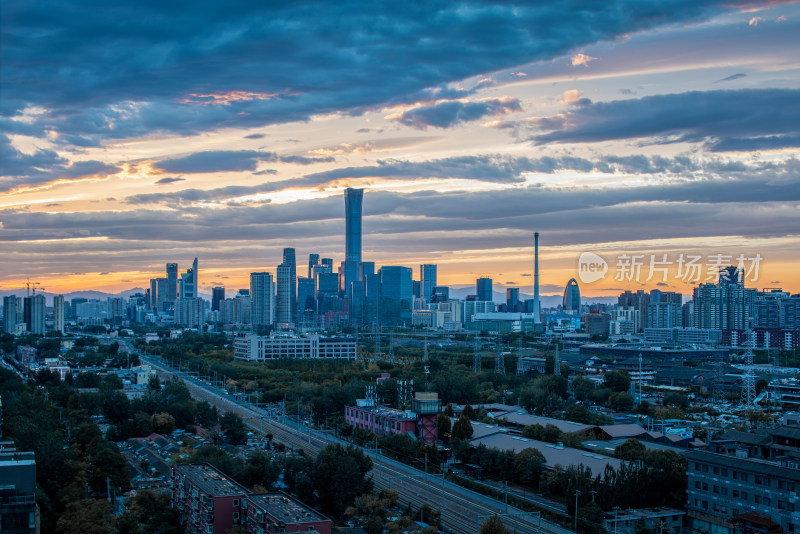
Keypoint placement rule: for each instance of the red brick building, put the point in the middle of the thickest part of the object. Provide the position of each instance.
(206, 500)
(210, 502)
(268, 513)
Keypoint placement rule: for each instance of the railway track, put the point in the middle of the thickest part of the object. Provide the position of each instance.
(462, 510)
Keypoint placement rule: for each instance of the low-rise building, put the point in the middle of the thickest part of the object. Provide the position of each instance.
(252, 347)
(206, 500)
(662, 519)
(19, 513)
(729, 493)
(380, 420)
(268, 513)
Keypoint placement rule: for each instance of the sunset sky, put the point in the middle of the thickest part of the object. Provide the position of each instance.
(135, 134)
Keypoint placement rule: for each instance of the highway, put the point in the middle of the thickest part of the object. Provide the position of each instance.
(462, 510)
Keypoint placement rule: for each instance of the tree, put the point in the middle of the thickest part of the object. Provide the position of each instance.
(528, 467)
(493, 525)
(259, 469)
(761, 385)
(676, 399)
(448, 410)
(468, 412)
(88, 516)
(631, 450)
(443, 427)
(617, 381)
(340, 475)
(234, 428)
(620, 401)
(150, 511)
(163, 423)
(462, 429)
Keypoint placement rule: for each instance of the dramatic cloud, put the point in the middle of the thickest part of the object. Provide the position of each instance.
(187, 68)
(450, 113)
(755, 118)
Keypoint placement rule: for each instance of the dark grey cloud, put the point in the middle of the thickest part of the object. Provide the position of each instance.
(169, 180)
(228, 160)
(44, 166)
(732, 77)
(748, 119)
(449, 113)
(185, 67)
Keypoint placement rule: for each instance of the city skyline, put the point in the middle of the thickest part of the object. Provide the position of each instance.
(213, 141)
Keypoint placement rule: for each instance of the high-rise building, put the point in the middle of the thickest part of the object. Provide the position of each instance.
(638, 301)
(397, 296)
(537, 311)
(366, 268)
(290, 260)
(171, 283)
(485, 289)
(163, 303)
(261, 297)
(34, 314)
(725, 305)
(188, 283)
(58, 313)
(313, 261)
(512, 299)
(74, 303)
(10, 312)
(217, 296)
(427, 280)
(283, 297)
(572, 296)
(306, 300)
(352, 206)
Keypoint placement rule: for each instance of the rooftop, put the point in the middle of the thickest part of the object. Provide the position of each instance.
(284, 508)
(744, 464)
(211, 481)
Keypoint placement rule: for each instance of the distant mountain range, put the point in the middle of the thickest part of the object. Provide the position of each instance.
(456, 292)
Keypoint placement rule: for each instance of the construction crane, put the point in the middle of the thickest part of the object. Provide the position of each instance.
(32, 286)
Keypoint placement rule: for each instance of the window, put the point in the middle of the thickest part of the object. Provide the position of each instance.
(697, 484)
(705, 486)
(716, 489)
(724, 472)
(705, 505)
(735, 493)
(236, 502)
(235, 516)
(716, 470)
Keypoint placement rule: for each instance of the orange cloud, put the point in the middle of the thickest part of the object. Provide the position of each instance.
(581, 59)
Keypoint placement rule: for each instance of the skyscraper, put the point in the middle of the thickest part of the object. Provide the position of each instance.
(427, 280)
(397, 295)
(313, 260)
(290, 260)
(306, 300)
(217, 296)
(283, 298)
(172, 283)
(261, 298)
(512, 299)
(485, 289)
(352, 207)
(10, 311)
(58, 313)
(572, 296)
(189, 283)
(34, 314)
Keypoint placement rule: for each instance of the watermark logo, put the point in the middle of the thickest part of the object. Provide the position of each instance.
(685, 268)
(591, 267)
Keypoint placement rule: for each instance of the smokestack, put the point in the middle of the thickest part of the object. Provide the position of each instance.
(536, 308)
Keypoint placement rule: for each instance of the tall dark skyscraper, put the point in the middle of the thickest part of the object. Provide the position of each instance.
(352, 207)
(172, 283)
(313, 260)
(485, 289)
(290, 260)
(427, 280)
(217, 296)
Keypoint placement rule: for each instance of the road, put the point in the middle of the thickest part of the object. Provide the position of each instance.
(462, 510)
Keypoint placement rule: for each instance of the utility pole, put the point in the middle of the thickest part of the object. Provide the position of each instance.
(577, 494)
